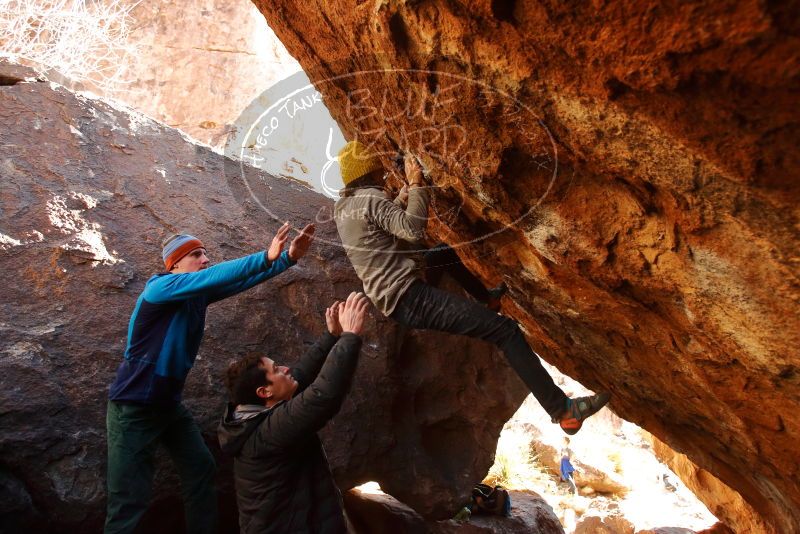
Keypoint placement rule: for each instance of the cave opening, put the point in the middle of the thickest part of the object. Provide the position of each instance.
(619, 477)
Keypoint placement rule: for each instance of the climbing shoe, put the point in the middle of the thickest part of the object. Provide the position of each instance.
(579, 409)
(495, 294)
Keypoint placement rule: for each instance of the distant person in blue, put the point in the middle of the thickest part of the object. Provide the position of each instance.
(566, 467)
(164, 335)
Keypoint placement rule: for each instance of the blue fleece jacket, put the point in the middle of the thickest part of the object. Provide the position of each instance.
(167, 325)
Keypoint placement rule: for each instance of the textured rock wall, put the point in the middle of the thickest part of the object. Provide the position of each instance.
(631, 174)
(87, 192)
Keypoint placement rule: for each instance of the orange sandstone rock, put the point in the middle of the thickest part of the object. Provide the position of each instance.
(629, 170)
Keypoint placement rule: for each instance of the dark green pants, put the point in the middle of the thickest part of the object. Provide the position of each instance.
(134, 433)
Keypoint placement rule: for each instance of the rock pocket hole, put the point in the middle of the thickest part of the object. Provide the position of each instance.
(433, 83)
(504, 10)
(399, 32)
(616, 88)
(6, 81)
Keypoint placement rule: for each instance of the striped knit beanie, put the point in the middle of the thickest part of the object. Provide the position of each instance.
(178, 246)
(356, 160)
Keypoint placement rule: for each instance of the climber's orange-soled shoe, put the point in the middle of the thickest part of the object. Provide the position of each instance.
(579, 409)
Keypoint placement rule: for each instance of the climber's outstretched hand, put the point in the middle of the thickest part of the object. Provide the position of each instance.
(413, 171)
(353, 312)
(299, 245)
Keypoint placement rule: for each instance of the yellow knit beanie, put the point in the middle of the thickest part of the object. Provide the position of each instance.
(356, 160)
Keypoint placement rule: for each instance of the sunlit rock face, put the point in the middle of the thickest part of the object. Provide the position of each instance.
(87, 193)
(630, 171)
(722, 501)
(199, 64)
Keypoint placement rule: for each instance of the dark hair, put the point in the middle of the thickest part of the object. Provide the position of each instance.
(371, 179)
(244, 377)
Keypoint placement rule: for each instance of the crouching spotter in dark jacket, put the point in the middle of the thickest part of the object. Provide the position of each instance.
(283, 481)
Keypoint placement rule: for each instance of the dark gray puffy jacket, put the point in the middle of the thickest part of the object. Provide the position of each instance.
(283, 481)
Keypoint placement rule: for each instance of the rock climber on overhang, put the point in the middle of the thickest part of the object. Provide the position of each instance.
(379, 237)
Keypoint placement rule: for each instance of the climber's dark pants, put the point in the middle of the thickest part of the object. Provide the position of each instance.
(443, 259)
(134, 433)
(425, 307)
